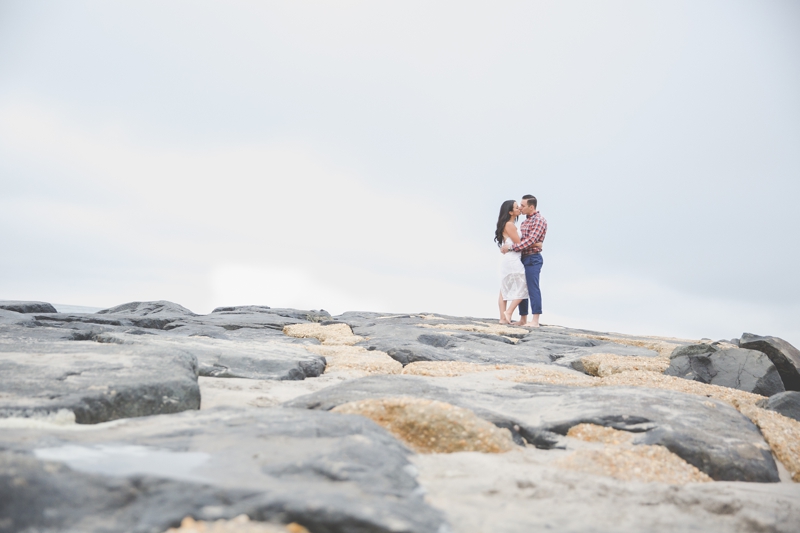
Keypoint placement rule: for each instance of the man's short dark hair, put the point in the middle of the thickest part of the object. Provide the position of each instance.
(531, 199)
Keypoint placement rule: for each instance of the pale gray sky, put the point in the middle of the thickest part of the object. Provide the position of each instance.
(352, 155)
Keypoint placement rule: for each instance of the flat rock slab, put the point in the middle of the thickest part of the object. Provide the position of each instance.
(737, 368)
(274, 357)
(164, 315)
(783, 355)
(242, 342)
(520, 491)
(27, 307)
(326, 471)
(706, 433)
(413, 338)
(786, 403)
(96, 382)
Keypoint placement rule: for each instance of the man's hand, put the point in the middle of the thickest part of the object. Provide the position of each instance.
(504, 249)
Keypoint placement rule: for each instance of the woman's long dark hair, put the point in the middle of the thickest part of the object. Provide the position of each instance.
(505, 216)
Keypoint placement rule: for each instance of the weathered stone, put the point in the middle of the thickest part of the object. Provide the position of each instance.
(161, 307)
(415, 338)
(693, 349)
(786, 403)
(253, 347)
(525, 491)
(12, 318)
(328, 472)
(737, 368)
(783, 355)
(27, 307)
(96, 382)
(706, 433)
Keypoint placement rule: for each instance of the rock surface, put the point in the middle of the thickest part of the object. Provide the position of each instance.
(592, 436)
(783, 355)
(325, 471)
(522, 491)
(708, 434)
(27, 307)
(93, 382)
(737, 368)
(786, 403)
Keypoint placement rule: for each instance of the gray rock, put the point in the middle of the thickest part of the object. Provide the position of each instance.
(309, 316)
(27, 307)
(97, 382)
(709, 434)
(514, 492)
(157, 308)
(783, 355)
(737, 368)
(270, 358)
(407, 339)
(168, 316)
(12, 318)
(786, 403)
(692, 349)
(328, 472)
(233, 342)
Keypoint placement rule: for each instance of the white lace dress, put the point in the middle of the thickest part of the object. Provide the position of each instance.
(512, 275)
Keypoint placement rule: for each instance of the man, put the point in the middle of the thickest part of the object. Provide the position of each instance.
(532, 233)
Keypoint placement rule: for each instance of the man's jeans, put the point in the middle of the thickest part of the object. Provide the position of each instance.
(533, 266)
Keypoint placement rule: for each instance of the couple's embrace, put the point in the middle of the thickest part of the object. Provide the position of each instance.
(522, 260)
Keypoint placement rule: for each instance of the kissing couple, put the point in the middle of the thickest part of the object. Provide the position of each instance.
(522, 260)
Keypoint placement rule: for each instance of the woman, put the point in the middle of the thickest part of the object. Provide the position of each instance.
(513, 288)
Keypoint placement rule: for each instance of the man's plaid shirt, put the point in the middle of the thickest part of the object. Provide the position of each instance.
(532, 230)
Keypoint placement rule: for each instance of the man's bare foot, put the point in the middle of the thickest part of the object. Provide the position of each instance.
(519, 323)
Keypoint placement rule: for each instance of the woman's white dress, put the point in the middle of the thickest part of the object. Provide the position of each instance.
(512, 275)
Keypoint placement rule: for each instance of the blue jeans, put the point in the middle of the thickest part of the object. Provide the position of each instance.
(533, 267)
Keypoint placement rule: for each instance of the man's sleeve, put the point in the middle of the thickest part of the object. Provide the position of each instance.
(531, 235)
(538, 230)
(526, 241)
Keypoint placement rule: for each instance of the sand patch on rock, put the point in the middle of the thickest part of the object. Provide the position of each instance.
(661, 345)
(781, 433)
(356, 359)
(333, 334)
(428, 426)
(605, 364)
(602, 434)
(481, 327)
(539, 374)
(634, 463)
(655, 380)
(621, 459)
(240, 524)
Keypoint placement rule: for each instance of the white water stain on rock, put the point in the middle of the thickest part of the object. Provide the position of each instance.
(126, 460)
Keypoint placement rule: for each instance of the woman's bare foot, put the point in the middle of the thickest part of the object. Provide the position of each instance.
(507, 317)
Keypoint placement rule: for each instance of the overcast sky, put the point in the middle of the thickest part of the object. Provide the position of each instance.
(353, 155)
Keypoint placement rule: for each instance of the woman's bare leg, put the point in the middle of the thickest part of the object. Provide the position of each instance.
(510, 311)
(502, 305)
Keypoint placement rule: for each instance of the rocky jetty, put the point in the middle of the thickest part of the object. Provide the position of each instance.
(148, 418)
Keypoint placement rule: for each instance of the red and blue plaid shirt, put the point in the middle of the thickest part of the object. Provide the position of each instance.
(532, 230)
